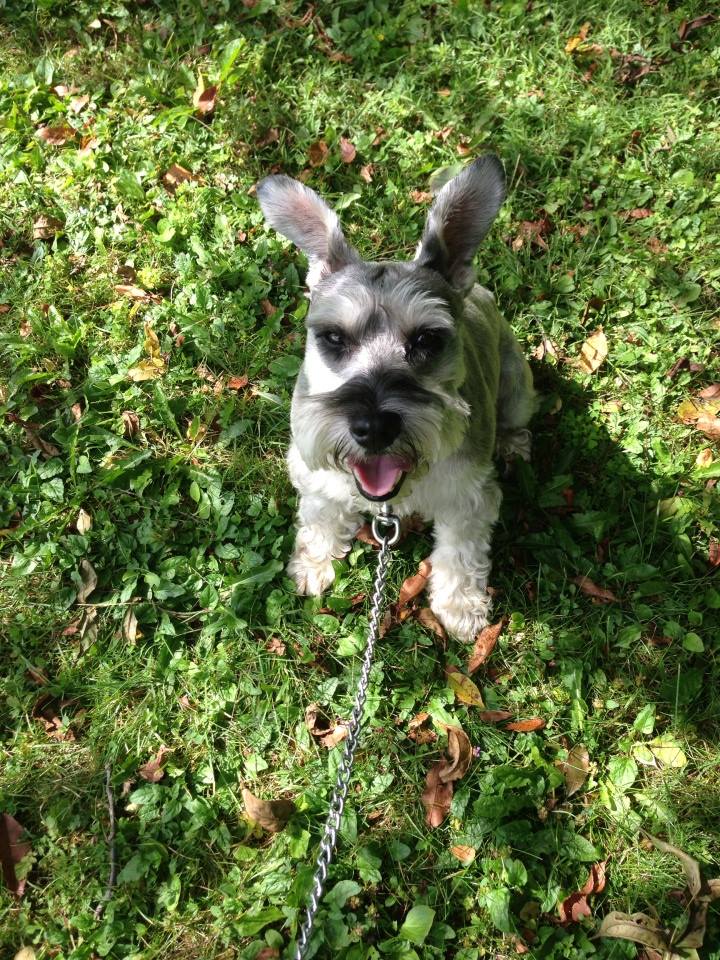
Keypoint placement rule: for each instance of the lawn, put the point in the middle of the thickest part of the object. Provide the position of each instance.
(150, 331)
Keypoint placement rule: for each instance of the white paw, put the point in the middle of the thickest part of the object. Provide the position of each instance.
(464, 614)
(516, 443)
(312, 576)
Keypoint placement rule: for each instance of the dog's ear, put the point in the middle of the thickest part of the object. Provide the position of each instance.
(299, 214)
(459, 218)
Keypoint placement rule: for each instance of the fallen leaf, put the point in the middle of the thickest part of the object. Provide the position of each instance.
(525, 726)
(656, 246)
(419, 731)
(45, 228)
(709, 424)
(679, 365)
(84, 523)
(336, 736)
(485, 644)
(12, 852)
(46, 710)
(37, 676)
(347, 150)
(444, 92)
(534, 233)
(420, 196)
(711, 392)
(714, 552)
(25, 953)
(690, 865)
(318, 153)
(62, 91)
(152, 771)
(131, 423)
(78, 104)
(413, 586)
(366, 172)
(639, 213)
(464, 854)
(89, 580)
(636, 927)
(545, 348)
(271, 815)
(574, 42)
(460, 754)
(238, 382)
(575, 769)
(574, 907)
(704, 458)
(590, 589)
(56, 136)
(130, 626)
(633, 67)
(276, 646)
(175, 175)
(136, 293)
(5, 308)
(204, 102)
(437, 796)
(464, 689)
(667, 752)
(427, 618)
(270, 136)
(327, 733)
(593, 352)
(690, 26)
(494, 716)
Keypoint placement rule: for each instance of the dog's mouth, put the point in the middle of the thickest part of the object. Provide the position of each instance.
(380, 477)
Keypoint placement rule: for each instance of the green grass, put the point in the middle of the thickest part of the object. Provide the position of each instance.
(192, 514)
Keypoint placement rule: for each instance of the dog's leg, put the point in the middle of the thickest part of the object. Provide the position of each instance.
(325, 532)
(461, 558)
(516, 401)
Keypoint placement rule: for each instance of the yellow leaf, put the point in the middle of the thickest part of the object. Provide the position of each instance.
(464, 689)
(152, 344)
(667, 752)
(147, 370)
(593, 352)
(691, 410)
(704, 458)
(574, 42)
(464, 854)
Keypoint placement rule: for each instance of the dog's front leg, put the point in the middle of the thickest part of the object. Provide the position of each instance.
(461, 561)
(325, 532)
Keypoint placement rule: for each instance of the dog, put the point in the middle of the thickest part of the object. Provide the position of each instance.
(411, 383)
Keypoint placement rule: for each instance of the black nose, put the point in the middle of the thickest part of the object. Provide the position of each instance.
(375, 431)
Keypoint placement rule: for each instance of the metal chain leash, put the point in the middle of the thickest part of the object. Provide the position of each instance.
(387, 538)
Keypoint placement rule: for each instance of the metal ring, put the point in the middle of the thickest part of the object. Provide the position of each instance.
(386, 520)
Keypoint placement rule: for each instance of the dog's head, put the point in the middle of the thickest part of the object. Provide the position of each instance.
(378, 392)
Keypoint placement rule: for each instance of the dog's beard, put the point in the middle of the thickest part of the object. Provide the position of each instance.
(431, 432)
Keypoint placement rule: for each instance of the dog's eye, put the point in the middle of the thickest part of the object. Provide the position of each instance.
(427, 341)
(333, 338)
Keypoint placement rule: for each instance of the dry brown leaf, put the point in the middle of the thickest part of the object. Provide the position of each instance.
(5, 308)
(238, 382)
(56, 136)
(689, 26)
(366, 172)
(45, 227)
(205, 102)
(136, 293)
(485, 644)
(347, 150)
(419, 731)
(89, 580)
(46, 711)
(130, 630)
(420, 196)
(714, 552)
(704, 458)
(175, 175)
(152, 771)
(575, 769)
(270, 136)
(711, 392)
(84, 522)
(460, 754)
(78, 104)
(464, 689)
(590, 589)
(62, 90)
(335, 736)
(709, 424)
(574, 42)
(413, 586)
(593, 352)
(427, 618)
(534, 233)
(131, 423)
(463, 853)
(271, 815)
(546, 347)
(326, 732)
(636, 927)
(574, 907)
(494, 716)
(276, 646)
(318, 153)
(12, 851)
(639, 213)
(437, 796)
(525, 726)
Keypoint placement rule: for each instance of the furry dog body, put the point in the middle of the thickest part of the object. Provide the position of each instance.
(411, 381)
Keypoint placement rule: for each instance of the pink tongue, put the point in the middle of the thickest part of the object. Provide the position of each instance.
(379, 475)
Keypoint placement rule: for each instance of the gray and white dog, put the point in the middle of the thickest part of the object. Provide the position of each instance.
(410, 383)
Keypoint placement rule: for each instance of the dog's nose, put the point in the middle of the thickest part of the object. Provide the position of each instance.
(375, 431)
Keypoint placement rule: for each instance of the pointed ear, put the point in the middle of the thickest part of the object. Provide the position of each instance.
(459, 218)
(299, 214)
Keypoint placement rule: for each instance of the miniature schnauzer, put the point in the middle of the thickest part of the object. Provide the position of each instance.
(411, 382)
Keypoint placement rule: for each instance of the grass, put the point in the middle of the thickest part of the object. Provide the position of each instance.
(192, 512)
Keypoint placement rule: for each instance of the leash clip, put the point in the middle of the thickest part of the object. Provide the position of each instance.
(390, 522)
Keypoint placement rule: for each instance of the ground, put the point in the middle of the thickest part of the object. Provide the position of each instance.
(137, 297)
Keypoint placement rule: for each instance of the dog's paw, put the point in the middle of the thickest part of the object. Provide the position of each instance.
(515, 443)
(312, 576)
(465, 614)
